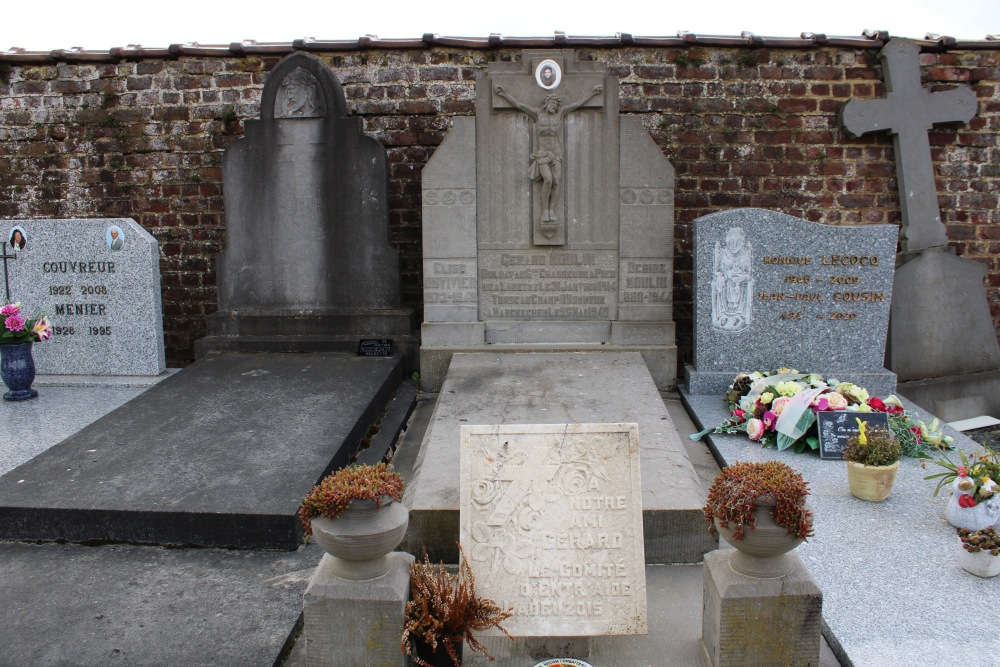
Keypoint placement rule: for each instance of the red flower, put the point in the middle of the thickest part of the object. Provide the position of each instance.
(876, 403)
(962, 472)
(916, 432)
(738, 417)
(965, 500)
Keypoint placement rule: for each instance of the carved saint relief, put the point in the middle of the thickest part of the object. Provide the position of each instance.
(299, 96)
(547, 147)
(732, 283)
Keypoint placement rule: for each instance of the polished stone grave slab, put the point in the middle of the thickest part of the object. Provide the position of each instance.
(563, 388)
(67, 604)
(882, 567)
(220, 454)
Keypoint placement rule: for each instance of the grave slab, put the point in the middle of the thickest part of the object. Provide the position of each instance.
(67, 604)
(219, 454)
(773, 291)
(562, 388)
(101, 294)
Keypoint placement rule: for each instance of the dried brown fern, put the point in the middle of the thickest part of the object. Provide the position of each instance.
(446, 610)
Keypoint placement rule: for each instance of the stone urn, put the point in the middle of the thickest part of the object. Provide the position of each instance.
(361, 536)
(872, 483)
(984, 514)
(17, 369)
(763, 551)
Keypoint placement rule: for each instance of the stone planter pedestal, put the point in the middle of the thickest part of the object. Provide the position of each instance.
(760, 621)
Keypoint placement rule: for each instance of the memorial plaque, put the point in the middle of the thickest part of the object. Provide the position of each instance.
(375, 347)
(836, 428)
(551, 523)
(772, 291)
(98, 281)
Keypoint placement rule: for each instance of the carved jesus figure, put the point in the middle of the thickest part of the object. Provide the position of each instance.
(546, 146)
(732, 283)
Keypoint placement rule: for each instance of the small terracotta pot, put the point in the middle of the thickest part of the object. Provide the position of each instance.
(872, 483)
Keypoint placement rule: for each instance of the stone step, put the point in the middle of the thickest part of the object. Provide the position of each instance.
(221, 454)
(557, 388)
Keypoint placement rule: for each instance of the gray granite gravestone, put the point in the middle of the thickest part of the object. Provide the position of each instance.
(307, 263)
(548, 222)
(941, 334)
(98, 281)
(773, 291)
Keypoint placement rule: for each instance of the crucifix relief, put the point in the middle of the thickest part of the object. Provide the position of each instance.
(547, 159)
(907, 112)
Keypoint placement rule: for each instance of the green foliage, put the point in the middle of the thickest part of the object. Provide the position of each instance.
(880, 449)
(334, 494)
(4, 72)
(445, 609)
(109, 121)
(737, 491)
(682, 60)
(747, 60)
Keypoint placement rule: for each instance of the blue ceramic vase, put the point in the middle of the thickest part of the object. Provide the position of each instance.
(17, 368)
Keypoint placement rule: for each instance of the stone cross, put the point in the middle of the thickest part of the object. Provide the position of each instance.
(4, 256)
(907, 112)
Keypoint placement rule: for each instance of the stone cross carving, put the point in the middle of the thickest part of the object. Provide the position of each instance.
(908, 112)
(4, 256)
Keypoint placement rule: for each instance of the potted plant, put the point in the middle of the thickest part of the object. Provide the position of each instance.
(980, 554)
(761, 510)
(356, 516)
(17, 366)
(974, 501)
(444, 612)
(872, 463)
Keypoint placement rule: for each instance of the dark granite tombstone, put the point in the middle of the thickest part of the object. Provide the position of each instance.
(942, 342)
(307, 263)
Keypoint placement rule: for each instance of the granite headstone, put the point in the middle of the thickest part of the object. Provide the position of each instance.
(551, 524)
(773, 291)
(98, 282)
(307, 258)
(547, 222)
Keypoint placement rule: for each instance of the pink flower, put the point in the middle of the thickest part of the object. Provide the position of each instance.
(835, 401)
(755, 429)
(769, 420)
(738, 417)
(14, 323)
(965, 500)
(42, 329)
(778, 404)
(11, 309)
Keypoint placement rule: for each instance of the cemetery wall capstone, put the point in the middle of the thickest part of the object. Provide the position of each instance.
(747, 125)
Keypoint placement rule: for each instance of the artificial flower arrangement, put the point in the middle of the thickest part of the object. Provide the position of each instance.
(779, 409)
(738, 491)
(19, 329)
(976, 476)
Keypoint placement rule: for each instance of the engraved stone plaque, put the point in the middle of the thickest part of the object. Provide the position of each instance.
(551, 523)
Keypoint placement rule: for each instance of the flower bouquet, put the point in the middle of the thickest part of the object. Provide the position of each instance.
(18, 329)
(779, 409)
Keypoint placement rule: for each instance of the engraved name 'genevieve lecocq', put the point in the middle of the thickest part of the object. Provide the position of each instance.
(552, 525)
(793, 288)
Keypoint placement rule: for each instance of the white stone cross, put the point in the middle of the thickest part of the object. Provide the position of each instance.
(907, 112)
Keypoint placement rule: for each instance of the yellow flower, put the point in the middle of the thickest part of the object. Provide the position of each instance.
(766, 398)
(789, 388)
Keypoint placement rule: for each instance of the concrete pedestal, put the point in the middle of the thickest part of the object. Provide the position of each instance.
(356, 622)
(751, 621)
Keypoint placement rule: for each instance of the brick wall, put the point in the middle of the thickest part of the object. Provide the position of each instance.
(742, 126)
